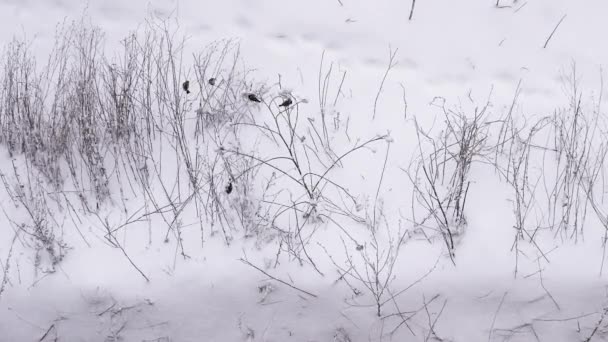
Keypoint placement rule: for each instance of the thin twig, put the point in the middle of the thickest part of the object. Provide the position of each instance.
(496, 315)
(599, 323)
(412, 10)
(47, 332)
(553, 32)
(391, 64)
(277, 279)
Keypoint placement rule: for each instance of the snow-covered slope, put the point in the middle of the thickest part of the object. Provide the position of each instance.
(278, 258)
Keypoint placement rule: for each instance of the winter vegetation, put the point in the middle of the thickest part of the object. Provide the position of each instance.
(158, 187)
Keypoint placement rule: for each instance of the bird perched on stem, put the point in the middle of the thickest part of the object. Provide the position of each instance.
(286, 103)
(253, 97)
(186, 87)
(228, 188)
(212, 81)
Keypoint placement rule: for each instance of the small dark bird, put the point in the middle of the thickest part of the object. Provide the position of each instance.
(186, 86)
(286, 103)
(253, 97)
(212, 81)
(228, 188)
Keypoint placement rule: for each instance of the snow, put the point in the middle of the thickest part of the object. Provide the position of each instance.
(461, 54)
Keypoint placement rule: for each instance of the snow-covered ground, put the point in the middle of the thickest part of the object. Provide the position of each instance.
(173, 262)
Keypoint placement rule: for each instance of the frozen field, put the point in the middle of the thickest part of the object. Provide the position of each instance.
(333, 170)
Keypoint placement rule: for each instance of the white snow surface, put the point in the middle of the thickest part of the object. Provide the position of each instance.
(460, 52)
